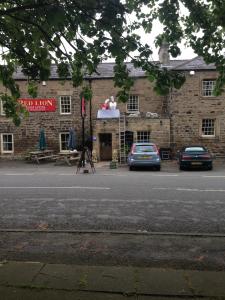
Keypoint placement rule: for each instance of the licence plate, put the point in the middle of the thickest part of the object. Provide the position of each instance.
(196, 163)
(145, 157)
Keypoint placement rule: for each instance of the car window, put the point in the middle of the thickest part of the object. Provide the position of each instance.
(199, 149)
(144, 148)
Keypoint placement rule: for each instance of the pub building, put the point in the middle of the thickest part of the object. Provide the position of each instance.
(190, 115)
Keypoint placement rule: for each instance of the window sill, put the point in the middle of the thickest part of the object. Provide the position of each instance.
(7, 152)
(210, 137)
(209, 97)
(133, 112)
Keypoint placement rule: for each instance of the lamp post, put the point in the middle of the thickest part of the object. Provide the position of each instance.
(85, 96)
(90, 119)
(83, 115)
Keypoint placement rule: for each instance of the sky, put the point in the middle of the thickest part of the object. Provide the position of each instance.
(186, 52)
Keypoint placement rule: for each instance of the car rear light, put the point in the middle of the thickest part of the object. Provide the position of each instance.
(156, 149)
(133, 149)
(206, 156)
(186, 157)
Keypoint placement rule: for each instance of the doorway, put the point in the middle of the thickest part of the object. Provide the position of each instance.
(129, 139)
(126, 140)
(105, 140)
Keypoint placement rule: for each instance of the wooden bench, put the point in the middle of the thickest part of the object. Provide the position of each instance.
(42, 155)
(67, 158)
(48, 157)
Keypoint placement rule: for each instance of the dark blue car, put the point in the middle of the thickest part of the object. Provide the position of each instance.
(195, 157)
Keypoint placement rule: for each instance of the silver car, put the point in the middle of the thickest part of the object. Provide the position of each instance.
(144, 155)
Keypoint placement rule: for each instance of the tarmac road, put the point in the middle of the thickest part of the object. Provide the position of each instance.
(114, 217)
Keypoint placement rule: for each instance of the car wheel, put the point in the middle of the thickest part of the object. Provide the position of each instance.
(158, 168)
(210, 167)
(131, 168)
(181, 168)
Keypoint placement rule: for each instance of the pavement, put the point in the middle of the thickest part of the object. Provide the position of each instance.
(23, 280)
(35, 280)
(166, 166)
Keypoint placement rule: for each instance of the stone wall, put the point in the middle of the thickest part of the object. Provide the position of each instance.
(26, 135)
(177, 125)
(148, 100)
(188, 107)
(159, 130)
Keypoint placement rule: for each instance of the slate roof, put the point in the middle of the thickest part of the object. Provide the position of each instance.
(105, 70)
(196, 63)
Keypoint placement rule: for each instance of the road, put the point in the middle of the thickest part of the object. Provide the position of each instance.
(176, 217)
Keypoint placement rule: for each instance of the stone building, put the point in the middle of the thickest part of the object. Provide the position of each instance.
(191, 115)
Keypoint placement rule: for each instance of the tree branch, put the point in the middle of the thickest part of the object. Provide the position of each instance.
(24, 8)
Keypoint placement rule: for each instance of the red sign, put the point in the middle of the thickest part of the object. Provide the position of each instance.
(48, 104)
(83, 108)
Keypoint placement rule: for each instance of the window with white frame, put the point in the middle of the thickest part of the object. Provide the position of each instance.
(133, 103)
(7, 145)
(143, 136)
(65, 105)
(63, 141)
(208, 127)
(208, 87)
(2, 111)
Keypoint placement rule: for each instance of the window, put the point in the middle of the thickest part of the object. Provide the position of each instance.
(7, 143)
(145, 148)
(65, 105)
(133, 103)
(63, 140)
(2, 112)
(208, 87)
(208, 127)
(198, 149)
(143, 136)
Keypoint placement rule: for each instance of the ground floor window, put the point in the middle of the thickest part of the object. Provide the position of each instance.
(143, 136)
(7, 143)
(63, 141)
(208, 127)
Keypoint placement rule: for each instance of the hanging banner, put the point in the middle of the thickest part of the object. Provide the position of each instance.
(39, 105)
(83, 108)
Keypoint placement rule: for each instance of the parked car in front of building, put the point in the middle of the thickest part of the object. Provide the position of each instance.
(195, 156)
(144, 155)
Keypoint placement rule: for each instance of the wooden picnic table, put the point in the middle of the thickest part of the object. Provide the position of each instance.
(41, 155)
(68, 157)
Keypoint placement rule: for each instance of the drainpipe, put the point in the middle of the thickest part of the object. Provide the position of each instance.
(90, 117)
(172, 137)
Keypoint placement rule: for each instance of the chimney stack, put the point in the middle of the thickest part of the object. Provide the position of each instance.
(164, 56)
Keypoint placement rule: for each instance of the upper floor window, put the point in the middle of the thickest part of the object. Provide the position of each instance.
(208, 127)
(63, 141)
(65, 105)
(133, 103)
(2, 111)
(143, 136)
(208, 87)
(7, 143)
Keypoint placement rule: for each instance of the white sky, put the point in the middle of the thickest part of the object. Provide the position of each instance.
(186, 52)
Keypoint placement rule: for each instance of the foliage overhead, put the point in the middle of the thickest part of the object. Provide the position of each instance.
(77, 35)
